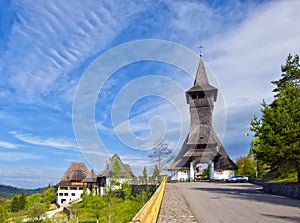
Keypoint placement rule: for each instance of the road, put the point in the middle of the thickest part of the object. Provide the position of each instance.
(237, 202)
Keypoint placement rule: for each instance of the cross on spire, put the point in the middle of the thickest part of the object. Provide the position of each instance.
(201, 51)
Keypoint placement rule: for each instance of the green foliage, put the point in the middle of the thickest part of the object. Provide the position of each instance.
(18, 202)
(206, 174)
(290, 74)
(95, 203)
(35, 198)
(156, 173)
(246, 166)
(127, 190)
(116, 169)
(49, 195)
(37, 211)
(145, 174)
(144, 195)
(277, 132)
(3, 214)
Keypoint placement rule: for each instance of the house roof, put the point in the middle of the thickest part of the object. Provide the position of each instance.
(76, 172)
(125, 169)
(216, 153)
(91, 177)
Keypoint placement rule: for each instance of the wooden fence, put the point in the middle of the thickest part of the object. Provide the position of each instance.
(149, 213)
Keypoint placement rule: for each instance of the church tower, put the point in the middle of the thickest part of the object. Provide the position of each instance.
(201, 144)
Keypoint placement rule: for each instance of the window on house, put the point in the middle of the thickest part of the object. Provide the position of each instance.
(73, 194)
(66, 194)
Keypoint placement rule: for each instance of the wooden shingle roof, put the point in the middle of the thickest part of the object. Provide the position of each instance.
(76, 172)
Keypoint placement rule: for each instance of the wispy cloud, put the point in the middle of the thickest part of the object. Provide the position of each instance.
(18, 156)
(57, 43)
(7, 145)
(58, 143)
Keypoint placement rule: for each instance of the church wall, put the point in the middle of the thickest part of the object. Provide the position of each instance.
(223, 174)
(181, 175)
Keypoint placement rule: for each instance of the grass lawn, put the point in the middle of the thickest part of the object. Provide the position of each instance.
(120, 211)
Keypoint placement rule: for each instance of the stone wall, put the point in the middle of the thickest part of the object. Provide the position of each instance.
(287, 190)
(256, 181)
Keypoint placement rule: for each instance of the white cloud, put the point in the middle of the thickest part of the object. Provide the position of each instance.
(17, 156)
(7, 145)
(42, 52)
(248, 57)
(58, 143)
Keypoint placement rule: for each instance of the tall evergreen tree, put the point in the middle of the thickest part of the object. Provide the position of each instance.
(277, 132)
(22, 200)
(145, 174)
(156, 173)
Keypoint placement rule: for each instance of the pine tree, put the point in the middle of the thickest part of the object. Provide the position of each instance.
(22, 200)
(277, 132)
(145, 174)
(156, 173)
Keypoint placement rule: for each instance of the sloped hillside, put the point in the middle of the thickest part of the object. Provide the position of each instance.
(8, 192)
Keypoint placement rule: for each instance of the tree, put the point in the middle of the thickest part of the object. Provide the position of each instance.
(156, 173)
(50, 195)
(116, 170)
(36, 211)
(290, 74)
(18, 202)
(246, 166)
(277, 132)
(35, 198)
(96, 203)
(127, 190)
(160, 154)
(145, 174)
(22, 200)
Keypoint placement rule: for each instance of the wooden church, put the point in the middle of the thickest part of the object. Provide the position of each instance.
(202, 145)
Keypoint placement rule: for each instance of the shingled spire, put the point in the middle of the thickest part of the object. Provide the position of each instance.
(201, 77)
(201, 83)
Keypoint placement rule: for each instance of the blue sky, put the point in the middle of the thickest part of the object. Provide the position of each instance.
(47, 46)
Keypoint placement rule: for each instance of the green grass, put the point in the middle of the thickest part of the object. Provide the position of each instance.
(121, 211)
(289, 178)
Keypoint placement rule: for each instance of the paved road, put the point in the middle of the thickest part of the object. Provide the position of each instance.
(221, 202)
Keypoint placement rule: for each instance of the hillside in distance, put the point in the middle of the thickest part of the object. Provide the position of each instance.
(8, 192)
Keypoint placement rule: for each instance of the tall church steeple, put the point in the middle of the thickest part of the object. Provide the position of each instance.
(202, 143)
